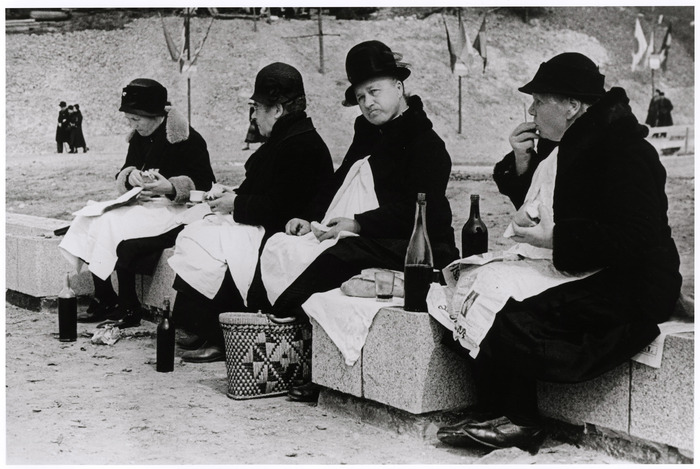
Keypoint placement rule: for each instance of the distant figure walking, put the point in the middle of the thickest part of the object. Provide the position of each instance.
(77, 130)
(660, 107)
(253, 135)
(62, 128)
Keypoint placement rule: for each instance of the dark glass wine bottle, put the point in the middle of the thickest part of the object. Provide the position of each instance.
(418, 270)
(165, 341)
(67, 313)
(475, 235)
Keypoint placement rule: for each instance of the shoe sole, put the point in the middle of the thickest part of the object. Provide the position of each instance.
(204, 360)
(532, 448)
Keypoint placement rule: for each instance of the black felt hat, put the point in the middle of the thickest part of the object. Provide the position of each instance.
(62, 104)
(144, 97)
(277, 83)
(569, 74)
(371, 59)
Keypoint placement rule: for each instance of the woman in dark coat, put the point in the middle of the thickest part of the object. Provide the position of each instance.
(609, 215)
(78, 136)
(167, 159)
(281, 177)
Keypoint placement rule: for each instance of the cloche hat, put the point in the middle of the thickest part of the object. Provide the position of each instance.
(144, 97)
(569, 74)
(371, 59)
(277, 83)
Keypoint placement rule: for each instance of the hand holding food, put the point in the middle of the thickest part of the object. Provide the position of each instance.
(156, 183)
(522, 139)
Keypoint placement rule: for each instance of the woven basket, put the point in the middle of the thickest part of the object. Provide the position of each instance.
(264, 358)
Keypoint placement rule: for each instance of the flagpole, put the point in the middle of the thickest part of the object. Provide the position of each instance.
(652, 83)
(187, 45)
(320, 39)
(459, 126)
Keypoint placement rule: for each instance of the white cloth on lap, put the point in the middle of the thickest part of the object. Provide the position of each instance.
(285, 257)
(480, 285)
(95, 239)
(346, 319)
(206, 247)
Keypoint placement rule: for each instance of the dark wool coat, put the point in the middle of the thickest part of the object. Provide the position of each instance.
(610, 213)
(177, 150)
(283, 175)
(407, 157)
(62, 129)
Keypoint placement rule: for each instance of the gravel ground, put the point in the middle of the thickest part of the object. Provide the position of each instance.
(78, 403)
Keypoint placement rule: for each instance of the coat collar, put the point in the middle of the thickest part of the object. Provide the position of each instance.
(176, 127)
(412, 122)
(290, 125)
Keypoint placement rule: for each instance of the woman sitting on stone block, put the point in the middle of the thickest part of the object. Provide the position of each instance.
(166, 159)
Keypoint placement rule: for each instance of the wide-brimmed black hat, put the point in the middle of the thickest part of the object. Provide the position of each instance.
(144, 97)
(569, 74)
(277, 83)
(62, 104)
(371, 59)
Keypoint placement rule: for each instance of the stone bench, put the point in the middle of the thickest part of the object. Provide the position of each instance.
(35, 267)
(405, 364)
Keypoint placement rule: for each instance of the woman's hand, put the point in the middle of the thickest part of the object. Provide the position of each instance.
(297, 227)
(135, 179)
(223, 204)
(541, 235)
(159, 185)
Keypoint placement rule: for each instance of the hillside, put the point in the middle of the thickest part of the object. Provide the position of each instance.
(90, 67)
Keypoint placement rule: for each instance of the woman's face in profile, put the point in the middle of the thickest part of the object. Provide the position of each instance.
(145, 126)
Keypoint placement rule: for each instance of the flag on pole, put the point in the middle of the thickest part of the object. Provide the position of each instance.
(641, 45)
(665, 46)
(648, 55)
(459, 53)
(174, 54)
(480, 42)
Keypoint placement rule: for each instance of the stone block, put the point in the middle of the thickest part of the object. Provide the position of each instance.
(662, 398)
(155, 289)
(328, 366)
(601, 401)
(11, 263)
(17, 223)
(406, 365)
(41, 267)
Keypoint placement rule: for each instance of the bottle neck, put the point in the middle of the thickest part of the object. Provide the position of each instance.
(475, 209)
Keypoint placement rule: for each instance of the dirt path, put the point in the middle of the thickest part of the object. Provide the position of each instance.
(78, 403)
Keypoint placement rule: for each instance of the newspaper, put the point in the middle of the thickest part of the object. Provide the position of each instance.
(652, 353)
(94, 209)
(479, 287)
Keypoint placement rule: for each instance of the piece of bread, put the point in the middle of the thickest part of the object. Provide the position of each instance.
(362, 285)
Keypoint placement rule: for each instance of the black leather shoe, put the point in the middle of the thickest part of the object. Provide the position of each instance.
(190, 342)
(99, 311)
(502, 433)
(305, 393)
(131, 318)
(207, 353)
(455, 435)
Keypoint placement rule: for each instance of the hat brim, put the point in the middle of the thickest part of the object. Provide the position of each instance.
(400, 73)
(533, 87)
(140, 112)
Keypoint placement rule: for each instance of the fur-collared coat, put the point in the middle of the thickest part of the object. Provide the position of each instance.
(179, 153)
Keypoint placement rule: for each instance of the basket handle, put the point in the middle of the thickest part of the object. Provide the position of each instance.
(281, 320)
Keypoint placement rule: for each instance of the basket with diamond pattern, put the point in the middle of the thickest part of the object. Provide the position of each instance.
(264, 358)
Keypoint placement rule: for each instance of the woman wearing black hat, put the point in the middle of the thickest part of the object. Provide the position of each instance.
(406, 157)
(167, 159)
(215, 258)
(607, 220)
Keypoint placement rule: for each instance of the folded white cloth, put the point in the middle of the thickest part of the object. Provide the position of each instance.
(94, 239)
(346, 319)
(285, 257)
(206, 247)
